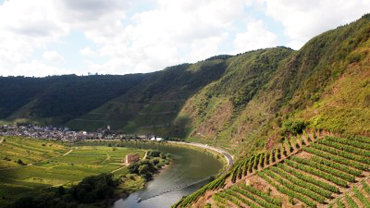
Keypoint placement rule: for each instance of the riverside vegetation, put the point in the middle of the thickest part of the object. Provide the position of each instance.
(43, 173)
(272, 107)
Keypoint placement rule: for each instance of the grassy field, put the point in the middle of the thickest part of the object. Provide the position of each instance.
(47, 163)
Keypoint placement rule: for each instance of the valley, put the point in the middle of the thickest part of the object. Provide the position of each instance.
(272, 127)
(31, 166)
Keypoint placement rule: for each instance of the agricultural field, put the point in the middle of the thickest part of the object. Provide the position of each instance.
(309, 171)
(29, 164)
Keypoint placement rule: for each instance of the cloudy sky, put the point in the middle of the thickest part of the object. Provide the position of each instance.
(51, 37)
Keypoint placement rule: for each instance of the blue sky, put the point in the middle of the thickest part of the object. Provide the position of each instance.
(43, 37)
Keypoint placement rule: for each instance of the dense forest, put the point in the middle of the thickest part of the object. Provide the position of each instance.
(57, 99)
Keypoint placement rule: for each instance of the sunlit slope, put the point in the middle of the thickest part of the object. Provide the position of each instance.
(313, 170)
(324, 85)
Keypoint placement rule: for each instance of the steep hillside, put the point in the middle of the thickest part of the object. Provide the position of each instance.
(138, 103)
(55, 100)
(324, 85)
(216, 110)
(315, 170)
(152, 105)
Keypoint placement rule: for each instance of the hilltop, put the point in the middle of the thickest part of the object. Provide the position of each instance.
(245, 103)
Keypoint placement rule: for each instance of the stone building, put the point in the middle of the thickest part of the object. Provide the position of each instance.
(130, 158)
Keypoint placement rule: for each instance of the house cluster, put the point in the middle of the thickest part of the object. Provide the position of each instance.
(65, 134)
(47, 132)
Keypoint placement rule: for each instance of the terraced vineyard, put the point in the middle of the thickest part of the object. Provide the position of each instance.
(305, 172)
(29, 151)
(46, 163)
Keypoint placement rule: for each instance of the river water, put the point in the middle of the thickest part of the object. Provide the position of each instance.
(188, 166)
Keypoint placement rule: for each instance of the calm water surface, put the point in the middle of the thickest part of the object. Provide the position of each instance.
(187, 166)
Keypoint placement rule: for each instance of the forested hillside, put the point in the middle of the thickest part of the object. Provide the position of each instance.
(57, 99)
(153, 104)
(243, 103)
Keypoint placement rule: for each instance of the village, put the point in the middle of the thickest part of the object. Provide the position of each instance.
(64, 134)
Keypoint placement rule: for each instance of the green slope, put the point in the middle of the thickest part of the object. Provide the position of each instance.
(57, 99)
(152, 105)
(324, 85)
(236, 102)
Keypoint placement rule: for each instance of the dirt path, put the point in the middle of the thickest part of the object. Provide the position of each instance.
(229, 157)
(120, 168)
(68, 152)
(106, 159)
(146, 154)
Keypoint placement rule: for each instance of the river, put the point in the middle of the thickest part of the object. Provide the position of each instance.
(187, 166)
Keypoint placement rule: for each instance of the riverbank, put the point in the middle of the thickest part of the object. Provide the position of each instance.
(227, 156)
(223, 156)
(190, 169)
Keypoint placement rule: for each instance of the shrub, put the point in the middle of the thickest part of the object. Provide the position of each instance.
(295, 188)
(336, 166)
(302, 183)
(288, 192)
(20, 162)
(264, 196)
(350, 202)
(336, 158)
(361, 197)
(318, 173)
(293, 127)
(327, 169)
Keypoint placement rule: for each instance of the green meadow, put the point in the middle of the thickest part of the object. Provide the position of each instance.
(27, 165)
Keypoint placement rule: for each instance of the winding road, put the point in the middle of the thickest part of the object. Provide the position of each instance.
(229, 157)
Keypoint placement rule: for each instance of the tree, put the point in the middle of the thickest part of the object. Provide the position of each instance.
(155, 161)
(143, 169)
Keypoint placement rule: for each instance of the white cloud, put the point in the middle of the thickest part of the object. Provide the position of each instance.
(169, 33)
(87, 52)
(306, 18)
(38, 69)
(206, 47)
(53, 56)
(25, 25)
(172, 33)
(98, 19)
(256, 37)
(295, 44)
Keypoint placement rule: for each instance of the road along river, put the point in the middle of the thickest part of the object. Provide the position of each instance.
(189, 170)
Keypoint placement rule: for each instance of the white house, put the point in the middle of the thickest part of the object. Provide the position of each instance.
(154, 138)
(159, 139)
